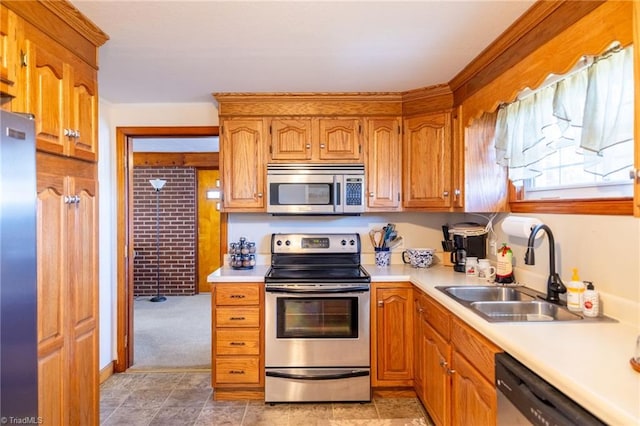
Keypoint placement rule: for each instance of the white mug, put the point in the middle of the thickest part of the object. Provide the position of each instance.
(485, 270)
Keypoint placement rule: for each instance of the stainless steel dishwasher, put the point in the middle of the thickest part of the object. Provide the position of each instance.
(524, 398)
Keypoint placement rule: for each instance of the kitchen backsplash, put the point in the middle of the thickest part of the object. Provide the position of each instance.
(603, 248)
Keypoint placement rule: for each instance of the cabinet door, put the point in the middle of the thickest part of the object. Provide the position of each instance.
(83, 112)
(474, 398)
(436, 353)
(290, 139)
(53, 403)
(8, 52)
(241, 149)
(383, 163)
(46, 92)
(427, 161)
(339, 139)
(83, 301)
(394, 320)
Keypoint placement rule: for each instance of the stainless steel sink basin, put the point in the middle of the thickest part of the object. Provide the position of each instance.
(485, 293)
(521, 311)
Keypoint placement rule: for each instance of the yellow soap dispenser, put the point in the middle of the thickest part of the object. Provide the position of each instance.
(575, 292)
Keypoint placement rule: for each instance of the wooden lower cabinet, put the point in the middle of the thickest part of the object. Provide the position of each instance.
(455, 365)
(392, 335)
(67, 291)
(238, 340)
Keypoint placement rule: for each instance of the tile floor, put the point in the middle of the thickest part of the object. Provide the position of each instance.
(185, 398)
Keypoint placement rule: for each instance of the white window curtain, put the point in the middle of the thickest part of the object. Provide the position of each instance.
(591, 110)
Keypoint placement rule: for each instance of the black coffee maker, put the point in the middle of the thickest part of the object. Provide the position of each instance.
(469, 240)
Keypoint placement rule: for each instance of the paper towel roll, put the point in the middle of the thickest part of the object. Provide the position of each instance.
(520, 226)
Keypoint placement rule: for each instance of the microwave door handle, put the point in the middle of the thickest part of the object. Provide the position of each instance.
(336, 194)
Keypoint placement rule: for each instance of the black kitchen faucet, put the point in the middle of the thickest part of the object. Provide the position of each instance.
(555, 286)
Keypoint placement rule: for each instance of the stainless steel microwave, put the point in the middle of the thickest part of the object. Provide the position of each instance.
(315, 188)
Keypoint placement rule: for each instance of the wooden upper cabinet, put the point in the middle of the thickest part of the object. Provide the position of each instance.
(61, 91)
(83, 113)
(427, 147)
(340, 139)
(315, 139)
(383, 163)
(8, 50)
(291, 139)
(242, 164)
(479, 183)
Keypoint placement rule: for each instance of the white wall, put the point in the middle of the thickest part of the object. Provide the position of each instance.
(605, 249)
(111, 117)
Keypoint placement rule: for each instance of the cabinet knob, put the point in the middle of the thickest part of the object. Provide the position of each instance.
(456, 193)
(321, 146)
(308, 146)
(445, 194)
(443, 363)
(380, 303)
(451, 372)
(259, 194)
(371, 194)
(634, 174)
(68, 132)
(76, 134)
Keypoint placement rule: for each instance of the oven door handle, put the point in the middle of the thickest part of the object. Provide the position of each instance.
(334, 290)
(346, 375)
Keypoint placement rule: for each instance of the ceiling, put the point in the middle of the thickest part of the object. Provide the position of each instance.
(182, 51)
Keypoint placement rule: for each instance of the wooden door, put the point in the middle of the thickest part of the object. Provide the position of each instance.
(436, 353)
(208, 228)
(46, 91)
(394, 321)
(8, 52)
(82, 305)
(83, 112)
(339, 139)
(241, 152)
(383, 164)
(53, 402)
(290, 139)
(427, 161)
(474, 398)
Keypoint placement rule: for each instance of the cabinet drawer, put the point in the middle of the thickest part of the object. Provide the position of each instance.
(237, 342)
(238, 294)
(438, 317)
(475, 348)
(237, 316)
(237, 370)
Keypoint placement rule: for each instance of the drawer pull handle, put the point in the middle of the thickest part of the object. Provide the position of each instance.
(236, 371)
(237, 318)
(236, 343)
(237, 296)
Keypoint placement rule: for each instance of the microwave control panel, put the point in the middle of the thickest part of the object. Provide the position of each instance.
(354, 191)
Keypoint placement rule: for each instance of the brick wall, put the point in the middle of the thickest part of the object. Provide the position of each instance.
(177, 231)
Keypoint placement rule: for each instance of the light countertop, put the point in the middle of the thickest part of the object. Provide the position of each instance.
(589, 362)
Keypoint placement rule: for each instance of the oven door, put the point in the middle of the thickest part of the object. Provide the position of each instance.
(317, 326)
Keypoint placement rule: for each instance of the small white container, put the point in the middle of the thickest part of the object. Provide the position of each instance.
(471, 266)
(591, 303)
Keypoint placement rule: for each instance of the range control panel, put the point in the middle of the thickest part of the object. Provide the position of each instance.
(315, 243)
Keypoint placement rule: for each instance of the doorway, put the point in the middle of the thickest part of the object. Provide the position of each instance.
(125, 237)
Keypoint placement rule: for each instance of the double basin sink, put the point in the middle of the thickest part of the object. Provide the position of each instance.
(509, 304)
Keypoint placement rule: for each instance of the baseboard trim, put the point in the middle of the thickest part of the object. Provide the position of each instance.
(394, 393)
(106, 372)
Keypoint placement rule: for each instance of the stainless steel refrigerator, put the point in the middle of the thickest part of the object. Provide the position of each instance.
(18, 306)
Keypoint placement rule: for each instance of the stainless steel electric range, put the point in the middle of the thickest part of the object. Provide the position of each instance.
(317, 301)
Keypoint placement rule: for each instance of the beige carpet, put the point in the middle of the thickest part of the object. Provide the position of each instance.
(172, 334)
